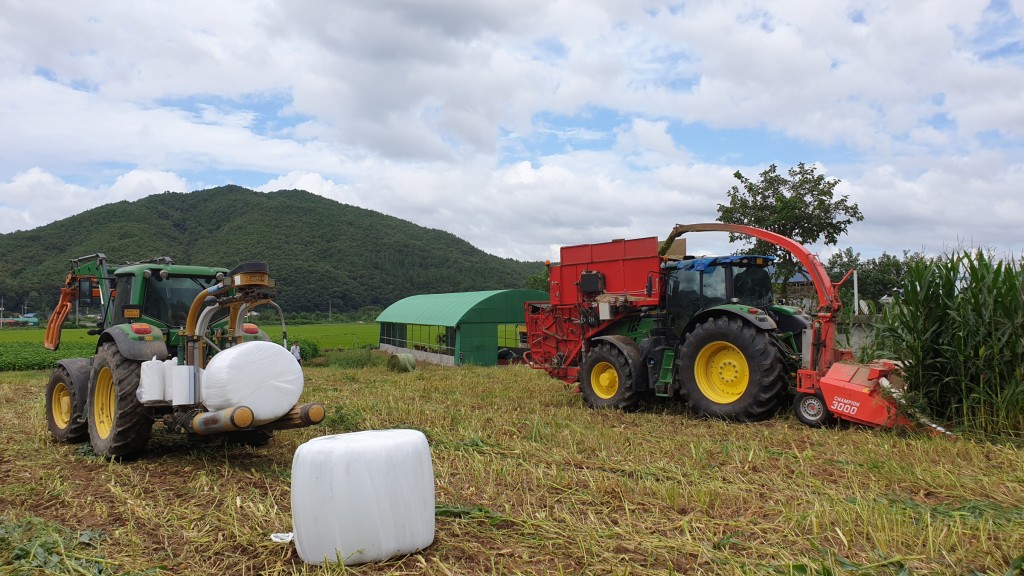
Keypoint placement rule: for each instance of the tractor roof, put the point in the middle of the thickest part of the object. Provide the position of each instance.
(699, 264)
(174, 269)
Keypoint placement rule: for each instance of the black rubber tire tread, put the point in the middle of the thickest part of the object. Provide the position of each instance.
(826, 417)
(132, 424)
(769, 381)
(626, 397)
(77, 429)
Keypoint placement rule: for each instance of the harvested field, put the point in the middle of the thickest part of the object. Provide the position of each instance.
(528, 481)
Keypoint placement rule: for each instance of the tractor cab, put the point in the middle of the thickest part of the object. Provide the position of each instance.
(159, 294)
(697, 284)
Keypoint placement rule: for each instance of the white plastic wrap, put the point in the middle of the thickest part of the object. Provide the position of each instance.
(261, 375)
(363, 496)
(169, 365)
(182, 385)
(151, 382)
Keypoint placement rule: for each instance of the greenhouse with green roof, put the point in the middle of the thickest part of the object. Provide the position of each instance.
(480, 328)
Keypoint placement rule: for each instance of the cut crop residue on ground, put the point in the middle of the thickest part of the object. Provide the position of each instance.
(528, 481)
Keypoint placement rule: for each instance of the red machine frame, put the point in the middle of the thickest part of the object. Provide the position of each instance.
(631, 270)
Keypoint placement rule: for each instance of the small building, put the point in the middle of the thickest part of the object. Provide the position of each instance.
(481, 328)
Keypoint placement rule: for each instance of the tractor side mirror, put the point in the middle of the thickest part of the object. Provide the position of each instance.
(650, 286)
(85, 292)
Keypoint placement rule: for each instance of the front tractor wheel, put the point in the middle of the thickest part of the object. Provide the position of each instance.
(119, 426)
(62, 417)
(606, 379)
(731, 370)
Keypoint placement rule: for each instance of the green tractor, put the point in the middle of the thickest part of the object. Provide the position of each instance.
(172, 347)
(627, 320)
(624, 323)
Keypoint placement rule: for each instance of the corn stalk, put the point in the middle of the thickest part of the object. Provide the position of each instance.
(959, 327)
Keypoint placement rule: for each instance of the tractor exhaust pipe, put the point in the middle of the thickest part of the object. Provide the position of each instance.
(300, 416)
(226, 420)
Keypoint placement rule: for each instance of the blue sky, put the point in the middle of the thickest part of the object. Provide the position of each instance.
(525, 126)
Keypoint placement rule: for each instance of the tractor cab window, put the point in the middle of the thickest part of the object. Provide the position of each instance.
(683, 297)
(752, 285)
(168, 300)
(713, 286)
(123, 296)
(695, 286)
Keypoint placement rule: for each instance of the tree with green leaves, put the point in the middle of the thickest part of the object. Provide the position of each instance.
(540, 281)
(802, 206)
(877, 277)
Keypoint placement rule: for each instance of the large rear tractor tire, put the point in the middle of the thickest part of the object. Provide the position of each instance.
(119, 426)
(606, 379)
(62, 418)
(731, 370)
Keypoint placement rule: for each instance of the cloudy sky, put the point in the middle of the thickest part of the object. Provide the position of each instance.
(522, 126)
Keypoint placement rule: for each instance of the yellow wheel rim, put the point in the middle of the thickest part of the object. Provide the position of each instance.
(604, 379)
(104, 403)
(60, 405)
(722, 373)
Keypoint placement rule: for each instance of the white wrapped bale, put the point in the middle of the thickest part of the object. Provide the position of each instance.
(169, 365)
(183, 391)
(362, 497)
(151, 382)
(261, 375)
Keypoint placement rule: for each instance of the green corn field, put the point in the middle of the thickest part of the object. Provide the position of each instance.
(959, 328)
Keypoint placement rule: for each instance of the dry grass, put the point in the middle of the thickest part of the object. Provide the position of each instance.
(528, 481)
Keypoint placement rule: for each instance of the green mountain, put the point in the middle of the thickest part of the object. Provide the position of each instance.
(319, 251)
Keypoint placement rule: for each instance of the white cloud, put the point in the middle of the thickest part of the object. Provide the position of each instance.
(451, 114)
(34, 197)
(945, 207)
(141, 183)
(649, 143)
(299, 180)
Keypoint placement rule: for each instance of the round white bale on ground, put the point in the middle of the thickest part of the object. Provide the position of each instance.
(261, 375)
(362, 497)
